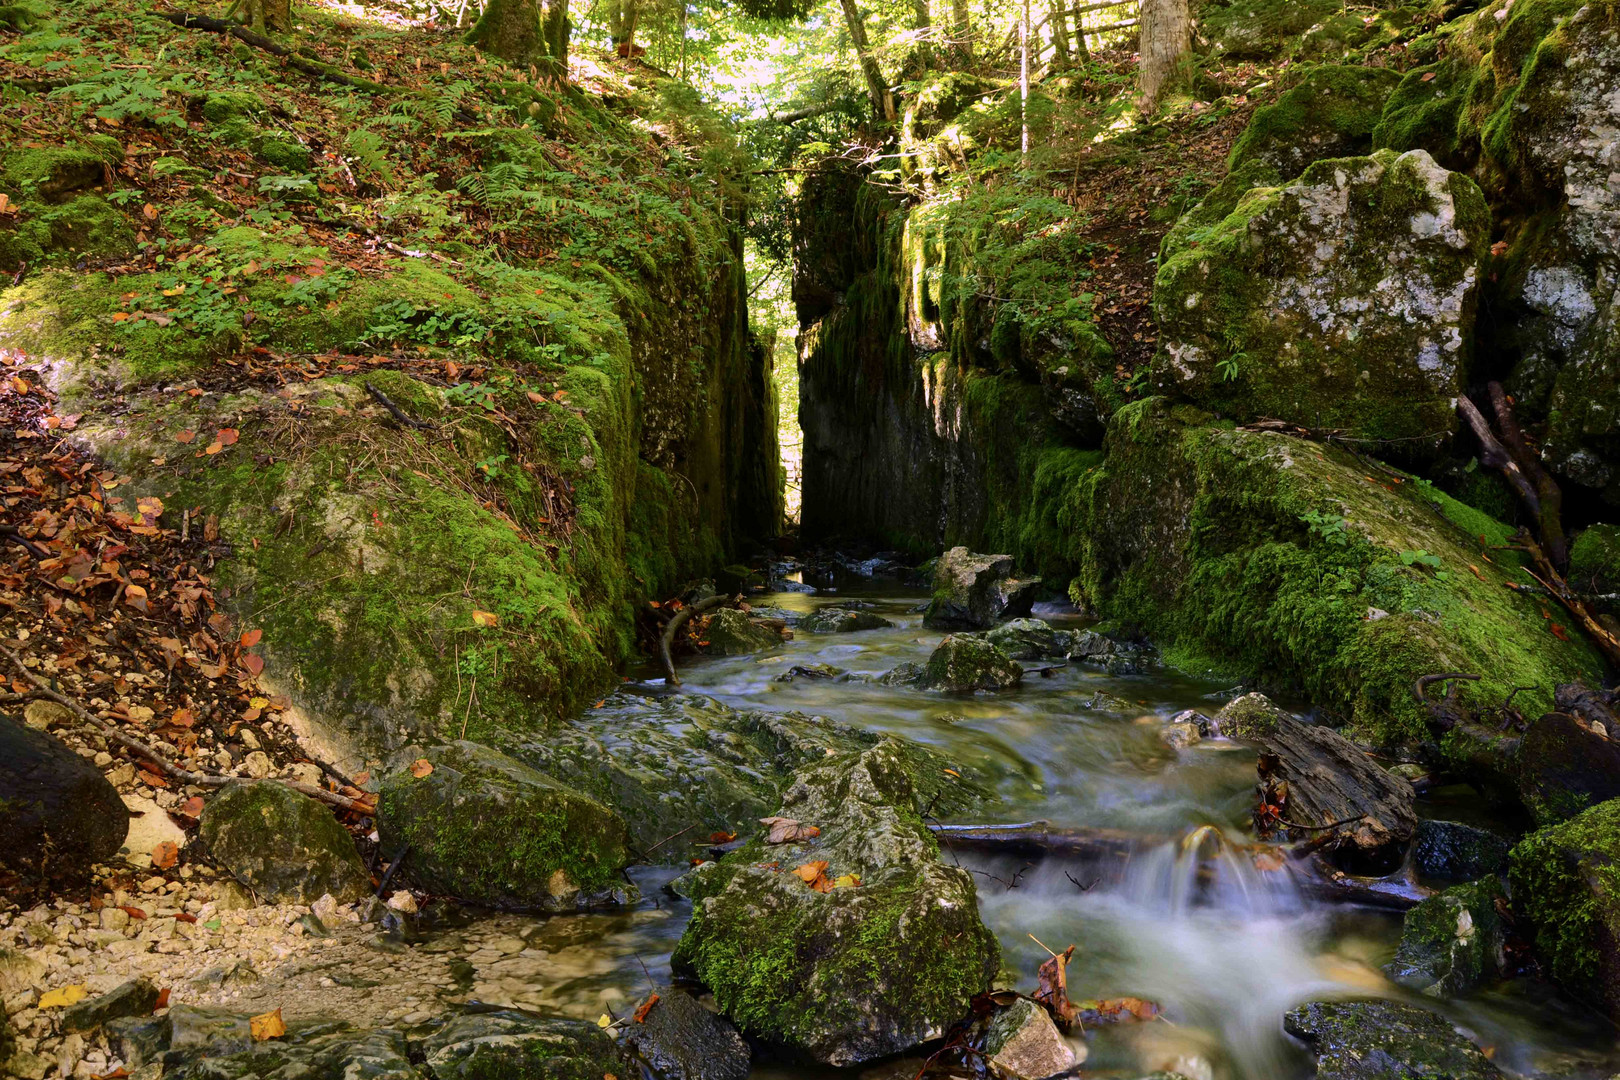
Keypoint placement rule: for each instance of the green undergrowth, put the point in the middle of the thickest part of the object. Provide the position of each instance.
(1566, 886)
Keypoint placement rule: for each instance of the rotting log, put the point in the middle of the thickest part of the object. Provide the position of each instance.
(188, 21)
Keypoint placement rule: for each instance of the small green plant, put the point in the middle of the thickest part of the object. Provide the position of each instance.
(468, 393)
(125, 196)
(286, 187)
(1423, 558)
(1230, 367)
(491, 466)
(1327, 527)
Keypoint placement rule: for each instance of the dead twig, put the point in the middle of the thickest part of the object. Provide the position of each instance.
(1547, 491)
(666, 640)
(12, 533)
(309, 67)
(395, 411)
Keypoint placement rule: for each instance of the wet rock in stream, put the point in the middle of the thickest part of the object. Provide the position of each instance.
(973, 592)
(681, 1040)
(1453, 942)
(732, 633)
(1385, 1040)
(842, 620)
(1454, 851)
(849, 946)
(963, 663)
(1030, 639)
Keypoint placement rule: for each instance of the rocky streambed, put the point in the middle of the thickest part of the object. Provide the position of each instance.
(1197, 954)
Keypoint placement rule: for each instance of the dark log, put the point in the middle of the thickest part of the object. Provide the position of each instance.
(1547, 490)
(1039, 839)
(1320, 880)
(666, 640)
(274, 48)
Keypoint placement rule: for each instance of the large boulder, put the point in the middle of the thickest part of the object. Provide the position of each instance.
(1455, 851)
(1344, 299)
(732, 633)
(513, 1045)
(963, 663)
(1329, 113)
(1566, 889)
(1255, 552)
(486, 828)
(1385, 1040)
(1594, 567)
(851, 945)
(1566, 764)
(1453, 942)
(52, 800)
(1030, 639)
(974, 592)
(285, 846)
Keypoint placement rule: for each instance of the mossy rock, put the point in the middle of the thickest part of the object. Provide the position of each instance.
(1345, 299)
(1565, 767)
(879, 964)
(1453, 943)
(1251, 716)
(1566, 889)
(283, 845)
(51, 173)
(732, 633)
(1594, 564)
(1260, 29)
(1454, 851)
(1274, 559)
(513, 1045)
(488, 829)
(963, 663)
(232, 105)
(284, 154)
(1385, 1040)
(1030, 639)
(838, 620)
(1330, 113)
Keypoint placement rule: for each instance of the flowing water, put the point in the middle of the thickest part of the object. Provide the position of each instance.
(1225, 949)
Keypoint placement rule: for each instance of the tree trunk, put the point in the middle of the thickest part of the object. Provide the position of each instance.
(555, 29)
(521, 32)
(622, 18)
(1023, 79)
(1165, 32)
(961, 32)
(1059, 19)
(882, 100)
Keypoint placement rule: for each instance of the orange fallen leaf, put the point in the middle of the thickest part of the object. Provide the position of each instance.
(267, 1026)
(421, 767)
(251, 638)
(1558, 631)
(163, 994)
(485, 618)
(132, 911)
(645, 1007)
(213, 448)
(228, 436)
(722, 837)
(165, 855)
(786, 830)
(810, 871)
(1476, 572)
(1428, 76)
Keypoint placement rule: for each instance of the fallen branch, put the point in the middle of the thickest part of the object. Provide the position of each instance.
(1039, 838)
(12, 533)
(1494, 455)
(151, 753)
(1551, 498)
(188, 21)
(666, 640)
(1549, 579)
(397, 413)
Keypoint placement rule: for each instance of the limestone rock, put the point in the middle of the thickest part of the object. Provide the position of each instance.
(1385, 1040)
(973, 592)
(732, 633)
(885, 960)
(841, 620)
(149, 826)
(486, 828)
(283, 845)
(516, 1046)
(135, 998)
(1022, 1041)
(49, 794)
(964, 662)
(194, 1043)
(18, 972)
(1030, 639)
(681, 1040)
(1566, 889)
(1452, 943)
(1345, 299)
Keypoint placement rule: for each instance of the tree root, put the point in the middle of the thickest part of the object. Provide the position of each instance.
(666, 640)
(162, 762)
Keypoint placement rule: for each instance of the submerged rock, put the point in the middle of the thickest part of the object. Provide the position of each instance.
(884, 960)
(681, 1040)
(1566, 891)
(1385, 1040)
(973, 592)
(1030, 639)
(732, 633)
(51, 798)
(1453, 942)
(842, 620)
(905, 673)
(963, 663)
(284, 846)
(486, 828)
(1453, 851)
(819, 672)
(1345, 299)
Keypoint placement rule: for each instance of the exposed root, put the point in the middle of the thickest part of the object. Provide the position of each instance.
(666, 640)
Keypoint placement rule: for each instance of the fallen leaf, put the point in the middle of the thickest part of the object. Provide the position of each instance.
(63, 996)
(1558, 631)
(1499, 248)
(251, 638)
(722, 837)
(1428, 76)
(228, 436)
(847, 881)
(786, 830)
(645, 1007)
(165, 855)
(253, 662)
(267, 1026)
(1053, 991)
(810, 871)
(421, 767)
(213, 448)
(135, 597)
(484, 618)
(163, 994)
(192, 807)
(132, 911)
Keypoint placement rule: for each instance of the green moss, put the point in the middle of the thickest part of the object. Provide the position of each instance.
(1566, 886)
(284, 154)
(232, 105)
(1331, 113)
(1594, 559)
(50, 172)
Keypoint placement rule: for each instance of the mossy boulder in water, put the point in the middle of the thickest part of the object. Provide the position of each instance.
(963, 663)
(883, 961)
(486, 828)
(973, 592)
(1566, 764)
(839, 620)
(732, 633)
(513, 1045)
(1030, 639)
(1454, 851)
(1274, 558)
(1385, 1040)
(1453, 942)
(283, 845)
(1345, 299)
(1566, 890)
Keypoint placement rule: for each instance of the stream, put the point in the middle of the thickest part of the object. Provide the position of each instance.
(1224, 957)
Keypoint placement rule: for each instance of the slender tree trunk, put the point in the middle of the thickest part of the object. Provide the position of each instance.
(1023, 77)
(683, 38)
(882, 100)
(1165, 33)
(1059, 19)
(923, 22)
(961, 32)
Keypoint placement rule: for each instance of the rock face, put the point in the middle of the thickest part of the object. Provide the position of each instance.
(486, 828)
(135, 998)
(1452, 943)
(859, 972)
(837, 620)
(963, 663)
(681, 1040)
(284, 846)
(732, 633)
(50, 796)
(1566, 887)
(974, 592)
(1344, 299)
(1275, 556)
(517, 1046)
(1384, 1040)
